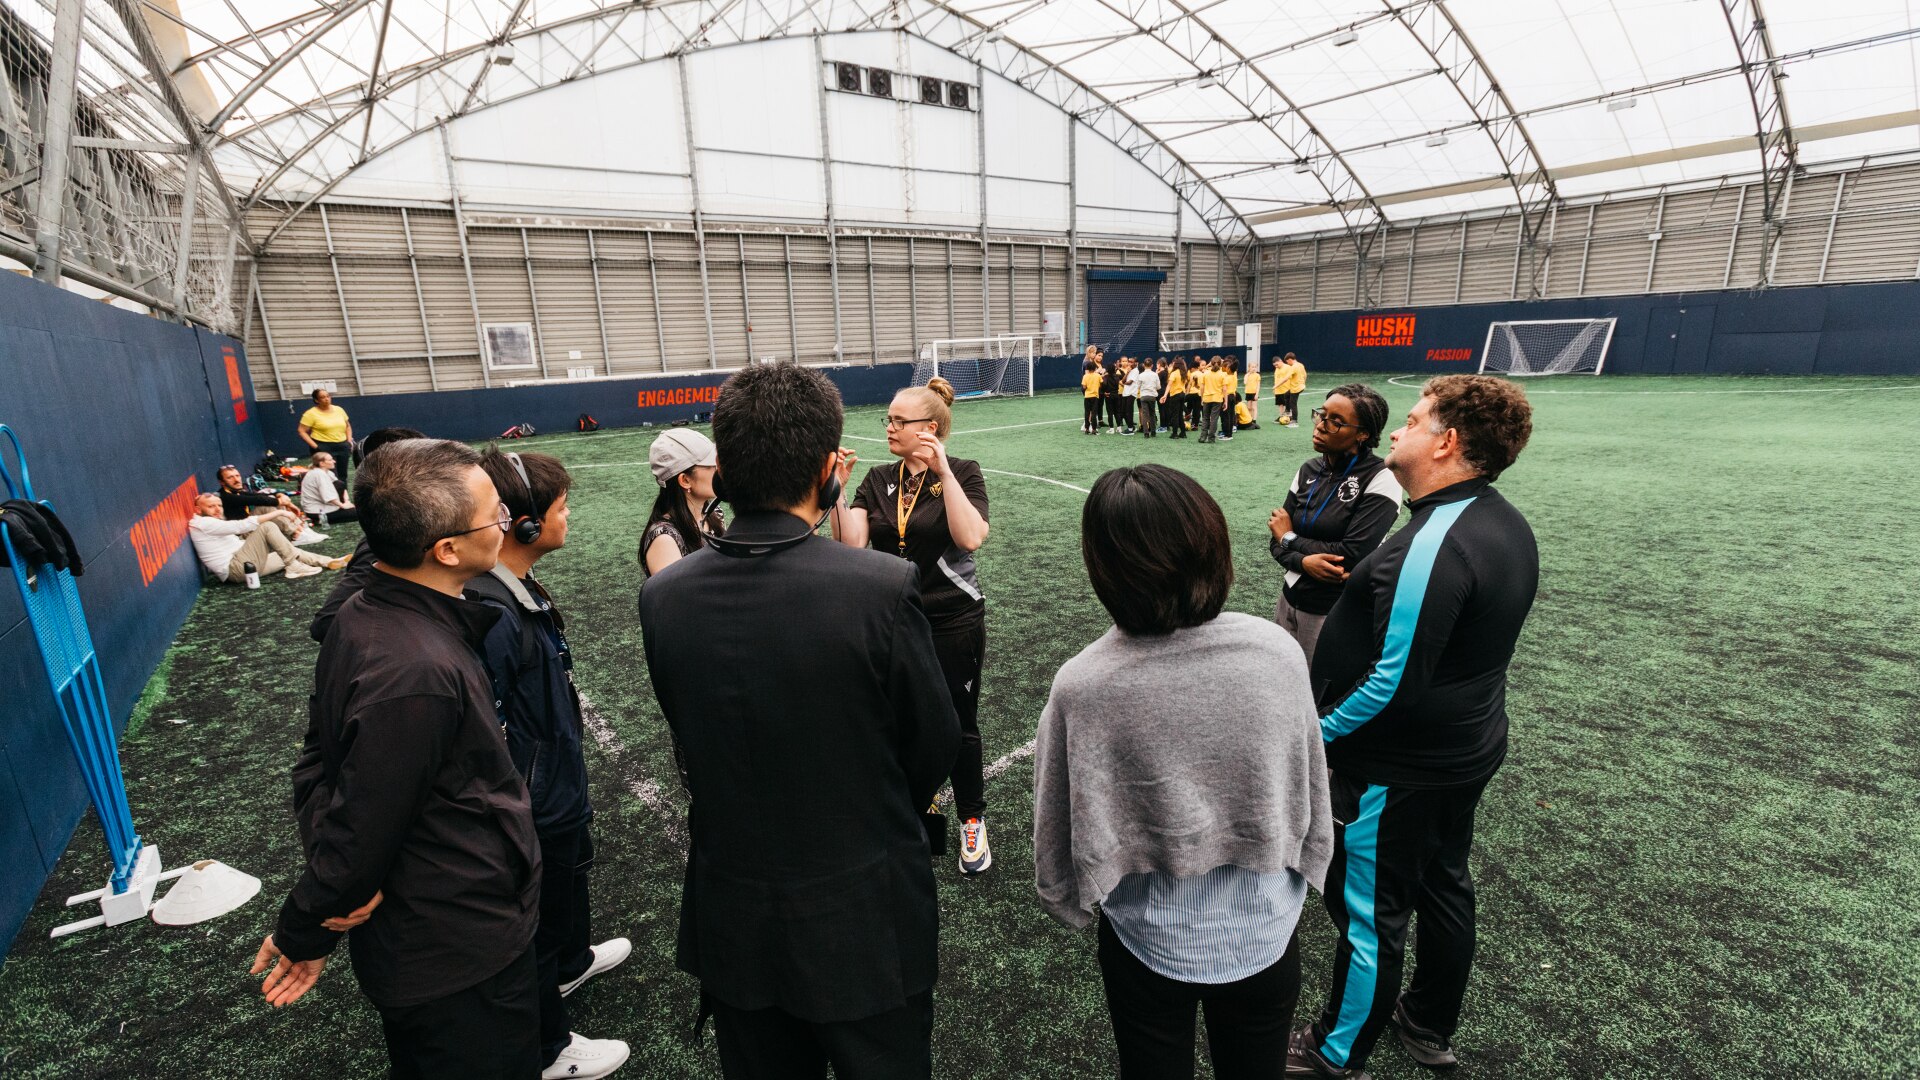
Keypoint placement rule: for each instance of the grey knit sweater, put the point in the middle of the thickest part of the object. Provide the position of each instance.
(1175, 755)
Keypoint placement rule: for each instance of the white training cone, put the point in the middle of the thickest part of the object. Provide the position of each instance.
(206, 890)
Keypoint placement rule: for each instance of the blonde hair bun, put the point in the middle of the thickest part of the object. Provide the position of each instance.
(941, 387)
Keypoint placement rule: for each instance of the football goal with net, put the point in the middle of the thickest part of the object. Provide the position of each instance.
(1547, 347)
(1182, 340)
(982, 367)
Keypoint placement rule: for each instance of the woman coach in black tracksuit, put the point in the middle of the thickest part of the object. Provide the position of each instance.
(1338, 509)
(931, 510)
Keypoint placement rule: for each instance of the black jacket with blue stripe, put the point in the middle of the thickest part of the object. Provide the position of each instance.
(1410, 672)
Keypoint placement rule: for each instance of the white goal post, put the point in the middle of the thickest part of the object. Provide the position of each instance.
(1209, 337)
(1547, 347)
(998, 366)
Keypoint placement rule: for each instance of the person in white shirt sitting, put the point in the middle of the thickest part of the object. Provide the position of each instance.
(320, 495)
(226, 547)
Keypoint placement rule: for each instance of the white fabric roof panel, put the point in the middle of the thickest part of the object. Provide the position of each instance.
(1218, 98)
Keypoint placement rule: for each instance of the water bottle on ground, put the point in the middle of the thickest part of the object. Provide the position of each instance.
(253, 575)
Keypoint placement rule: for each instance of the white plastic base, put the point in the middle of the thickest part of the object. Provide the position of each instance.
(212, 889)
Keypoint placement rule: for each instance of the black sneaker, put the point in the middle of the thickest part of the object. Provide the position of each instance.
(1304, 1059)
(1425, 1047)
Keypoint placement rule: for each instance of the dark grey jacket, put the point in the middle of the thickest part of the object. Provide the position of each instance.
(803, 688)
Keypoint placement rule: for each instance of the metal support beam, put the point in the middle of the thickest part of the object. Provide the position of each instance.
(980, 158)
(1313, 290)
(826, 176)
(292, 53)
(793, 317)
(950, 314)
(466, 259)
(1653, 254)
(420, 299)
(50, 200)
(340, 290)
(533, 303)
(266, 329)
(1413, 246)
(873, 312)
(189, 202)
(599, 306)
(659, 317)
(699, 222)
(1733, 240)
(143, 146)
(1833, 221)
(746, 295)
(1073, 234)
(1460, 266)
(1586, 249)
(1773, 129)
(913, 297)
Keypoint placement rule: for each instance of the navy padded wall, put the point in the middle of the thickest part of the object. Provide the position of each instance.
(117, 411)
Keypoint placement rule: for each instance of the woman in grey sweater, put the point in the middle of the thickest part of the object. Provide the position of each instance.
(1197, 838)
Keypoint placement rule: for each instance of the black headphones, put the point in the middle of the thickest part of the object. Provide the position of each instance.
(750, 549)
(527, 529)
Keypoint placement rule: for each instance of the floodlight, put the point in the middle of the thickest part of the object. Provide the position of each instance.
(1303, 166)
(1438, 140)
(1623, 104)
(503, 55)
(1347, 38)
(1207, 78)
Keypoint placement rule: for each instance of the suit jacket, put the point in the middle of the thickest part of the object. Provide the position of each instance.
(802, 687)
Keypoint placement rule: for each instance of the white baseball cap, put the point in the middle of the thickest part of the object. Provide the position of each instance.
(678, 450)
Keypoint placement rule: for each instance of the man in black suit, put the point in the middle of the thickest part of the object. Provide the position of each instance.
(799, 678)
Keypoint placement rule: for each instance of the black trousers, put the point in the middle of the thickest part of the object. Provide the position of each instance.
(1402, 852)
(1247, 1021)
(561, 944)
(1090, 421)
(768, 1044)
(1289, 402)
(1149, 416)
(962, 652)
(489, 1031)
(1111, 402)
(1193, 411)
(1227, 421)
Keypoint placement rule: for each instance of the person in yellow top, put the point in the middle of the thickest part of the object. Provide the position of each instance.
(1090, 391)
(1252, 396)
(326, 429)
(1289, 381)
(1213, 396)
(1173, 398)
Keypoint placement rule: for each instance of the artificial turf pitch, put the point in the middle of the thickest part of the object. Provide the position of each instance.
(1700, 859)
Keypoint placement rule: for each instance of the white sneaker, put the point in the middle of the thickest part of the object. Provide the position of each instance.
(309, 536)
(301, 569)
(975, 856)
(607, 955)
(584, 1059)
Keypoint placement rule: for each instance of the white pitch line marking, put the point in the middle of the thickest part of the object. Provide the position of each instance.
(1395, 381)
(1018, 753)
(673, 821)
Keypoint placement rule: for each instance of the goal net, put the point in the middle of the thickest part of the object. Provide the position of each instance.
(1183, 340)
(1547, 347)
(979, 367)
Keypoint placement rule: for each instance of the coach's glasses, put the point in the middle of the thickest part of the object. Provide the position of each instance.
(1331, 423)
(503, 522)
(900, 422)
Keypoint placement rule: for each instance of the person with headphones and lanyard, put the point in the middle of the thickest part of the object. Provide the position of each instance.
(1337, 510)
(931, 510)
(799, 678)
(531, 667)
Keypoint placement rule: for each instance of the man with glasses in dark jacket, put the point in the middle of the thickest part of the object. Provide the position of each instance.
(415, 825)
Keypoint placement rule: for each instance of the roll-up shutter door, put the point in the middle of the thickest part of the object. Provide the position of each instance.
(1123, 310)
(813, 299)
(626, 301)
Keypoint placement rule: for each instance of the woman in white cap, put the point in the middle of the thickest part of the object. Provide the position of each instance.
(683, 463)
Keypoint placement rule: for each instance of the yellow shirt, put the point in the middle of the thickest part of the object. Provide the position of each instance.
(329, 426)
(1176, 384)
(1090, 384)
(1213, 385)
(1253, 384)
(1290, 378)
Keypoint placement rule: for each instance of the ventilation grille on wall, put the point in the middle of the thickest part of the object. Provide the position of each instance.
(850, 78)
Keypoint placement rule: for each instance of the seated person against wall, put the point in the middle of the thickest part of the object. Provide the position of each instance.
(226, 547)
(320, 494)
(237, 502)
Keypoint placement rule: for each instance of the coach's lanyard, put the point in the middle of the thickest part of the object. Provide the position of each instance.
(904, 503)
(1332, 491)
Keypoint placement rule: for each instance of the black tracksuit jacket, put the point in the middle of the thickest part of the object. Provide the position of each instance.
(1411, 669)
(404, 786)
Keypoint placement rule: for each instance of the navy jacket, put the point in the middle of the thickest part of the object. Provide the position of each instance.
(1411, 669)
(532, 672)
(803, 688)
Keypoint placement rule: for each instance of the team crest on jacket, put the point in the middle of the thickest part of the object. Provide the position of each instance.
(934, 491)
(1349, 489)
